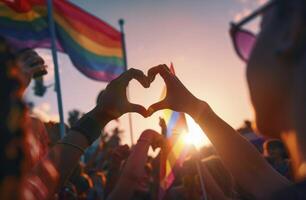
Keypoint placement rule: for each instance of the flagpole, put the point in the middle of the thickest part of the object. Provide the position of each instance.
(121, 24)
(56, 71)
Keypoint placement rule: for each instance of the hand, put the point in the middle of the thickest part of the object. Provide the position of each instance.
(156, 140)
(162, 123)
(118, 154)
(163, 126)
(30, 64)
(114, 102)
(178, 98)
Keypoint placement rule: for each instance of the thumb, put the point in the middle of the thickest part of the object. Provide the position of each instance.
(138, 109)
(157, 106)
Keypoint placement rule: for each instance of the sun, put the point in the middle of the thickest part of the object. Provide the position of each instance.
(195, 134)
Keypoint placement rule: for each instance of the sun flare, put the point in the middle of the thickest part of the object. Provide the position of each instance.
(195, 134)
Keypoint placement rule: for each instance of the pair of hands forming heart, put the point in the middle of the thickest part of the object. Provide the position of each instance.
(114, 101)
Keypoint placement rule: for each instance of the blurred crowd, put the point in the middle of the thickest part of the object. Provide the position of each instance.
(89, 163)
(98, 170)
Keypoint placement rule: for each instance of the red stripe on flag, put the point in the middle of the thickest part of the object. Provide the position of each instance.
(22, 5)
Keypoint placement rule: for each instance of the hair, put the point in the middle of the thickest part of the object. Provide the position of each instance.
(286, 10)
(12, 129)
(286, 7)
(99, 97)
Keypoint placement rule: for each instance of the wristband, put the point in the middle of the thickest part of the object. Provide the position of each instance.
(88, 127)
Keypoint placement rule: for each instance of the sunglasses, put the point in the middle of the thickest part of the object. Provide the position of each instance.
(244, 40)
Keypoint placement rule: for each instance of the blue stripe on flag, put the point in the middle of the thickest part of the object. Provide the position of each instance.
(171, 124)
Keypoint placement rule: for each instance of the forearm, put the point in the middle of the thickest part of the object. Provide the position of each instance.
(52, 171)
(241, 158)
(134, 167)
(213, 189)
(132, 172)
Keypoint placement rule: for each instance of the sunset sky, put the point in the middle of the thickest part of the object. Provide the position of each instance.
(193, 34)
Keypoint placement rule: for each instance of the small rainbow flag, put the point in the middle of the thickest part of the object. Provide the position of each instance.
(176, 151)
(94, 47)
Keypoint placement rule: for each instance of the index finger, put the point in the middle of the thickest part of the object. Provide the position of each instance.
(36, 69)
(163, 70)
(132, 73)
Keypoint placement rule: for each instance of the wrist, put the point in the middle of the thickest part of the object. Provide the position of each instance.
(91, 124)
(76, 138)
(200, 109)
(101, 116)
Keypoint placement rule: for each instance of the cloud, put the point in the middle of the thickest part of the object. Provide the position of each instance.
(42, 111)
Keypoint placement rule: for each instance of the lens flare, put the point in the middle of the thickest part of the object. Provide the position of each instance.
(195, 135)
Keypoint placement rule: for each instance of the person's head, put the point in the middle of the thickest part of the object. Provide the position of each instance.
(274, 148)
(99, 97)
(276, 69)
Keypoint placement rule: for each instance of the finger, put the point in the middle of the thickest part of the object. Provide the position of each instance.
(148, 132)
(125, 147)
(158, 142)
(157, 106)
(163, 70)
(37, 69)
(34, 61)
(135, 74)
(25, 53)
(138, 109)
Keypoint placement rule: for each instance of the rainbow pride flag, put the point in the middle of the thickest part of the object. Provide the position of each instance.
(176, 151)
(94, 47)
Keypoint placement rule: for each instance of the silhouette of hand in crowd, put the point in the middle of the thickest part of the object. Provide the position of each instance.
(178, 97)
(162, 122)
(156, 140)
(30, 64)
(114, 101)
(163, 126)
(118, 154)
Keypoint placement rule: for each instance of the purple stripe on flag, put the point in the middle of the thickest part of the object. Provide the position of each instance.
(97, 75)
(21, 44)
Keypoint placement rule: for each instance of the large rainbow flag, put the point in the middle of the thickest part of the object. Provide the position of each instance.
(176, 151)
(94, 47)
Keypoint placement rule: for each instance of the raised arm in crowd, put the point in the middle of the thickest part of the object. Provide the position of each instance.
(242, 159)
